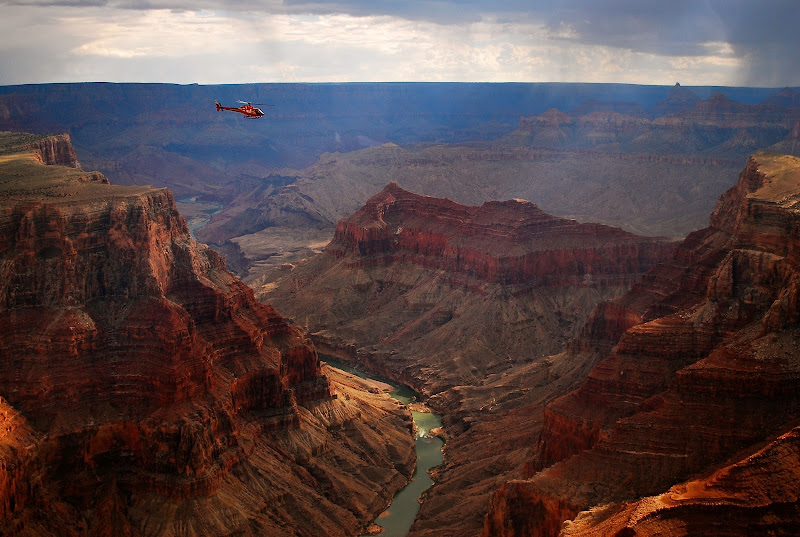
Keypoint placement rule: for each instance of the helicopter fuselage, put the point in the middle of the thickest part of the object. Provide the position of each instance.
(247, 109)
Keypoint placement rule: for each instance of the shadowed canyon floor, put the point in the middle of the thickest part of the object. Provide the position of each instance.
(146, 392)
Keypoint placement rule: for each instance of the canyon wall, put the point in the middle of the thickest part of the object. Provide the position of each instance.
(703, 375)
(717, 127)
(145, 391)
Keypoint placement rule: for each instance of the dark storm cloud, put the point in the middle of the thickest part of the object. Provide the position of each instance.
(765, 35)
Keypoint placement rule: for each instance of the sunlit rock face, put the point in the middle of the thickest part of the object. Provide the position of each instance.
(704, 375)
(146, 391)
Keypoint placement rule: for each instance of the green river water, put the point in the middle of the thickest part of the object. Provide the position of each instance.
(397, 519)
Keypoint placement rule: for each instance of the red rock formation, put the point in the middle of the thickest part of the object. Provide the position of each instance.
(709, 369)
(508, 242)
(410, 272)
(758, 495)
(139, 373)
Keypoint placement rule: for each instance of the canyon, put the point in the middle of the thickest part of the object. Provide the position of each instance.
(668, 405)
(465, 304)
(144, 389)
(608, 361)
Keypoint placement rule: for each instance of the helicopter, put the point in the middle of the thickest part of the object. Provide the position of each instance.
(249, 111)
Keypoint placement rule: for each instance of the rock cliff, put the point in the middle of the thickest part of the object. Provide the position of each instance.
(756, 495)
(54, 150)
(702, 376)
(145, 391)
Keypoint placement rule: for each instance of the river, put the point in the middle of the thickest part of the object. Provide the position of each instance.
(196, 213)
(397, 519)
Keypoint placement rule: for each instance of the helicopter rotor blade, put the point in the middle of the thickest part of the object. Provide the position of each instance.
(254, 104)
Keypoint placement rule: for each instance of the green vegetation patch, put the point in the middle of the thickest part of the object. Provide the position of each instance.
(16, 142)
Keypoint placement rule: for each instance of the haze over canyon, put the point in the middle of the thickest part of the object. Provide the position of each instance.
(594, 285)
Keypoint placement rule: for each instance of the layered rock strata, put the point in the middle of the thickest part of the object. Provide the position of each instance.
(685, 125)
(757, 495)
(147, 392)
(55, 150)
(703, 374)
(410, 283)
(508, 243)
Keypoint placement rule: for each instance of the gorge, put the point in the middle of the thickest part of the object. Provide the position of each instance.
(466, 304)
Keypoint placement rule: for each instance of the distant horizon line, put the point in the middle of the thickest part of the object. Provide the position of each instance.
(398, 82)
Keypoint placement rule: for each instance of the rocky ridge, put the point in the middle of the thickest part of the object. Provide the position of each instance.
(701, 379)
(145, 391)
(511, 242)
(684, 125)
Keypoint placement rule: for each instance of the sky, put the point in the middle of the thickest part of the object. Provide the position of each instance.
(700, 42)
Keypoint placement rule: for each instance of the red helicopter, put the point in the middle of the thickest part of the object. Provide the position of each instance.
(249, 111)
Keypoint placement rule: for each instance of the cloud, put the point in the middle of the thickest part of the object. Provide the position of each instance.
(762, 35)
(766, 36)
(642, 41)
